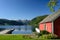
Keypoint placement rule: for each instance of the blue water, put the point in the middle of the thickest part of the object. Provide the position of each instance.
(24, 29)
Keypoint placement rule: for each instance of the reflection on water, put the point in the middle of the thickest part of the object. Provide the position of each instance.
(22, 32)
(25, 29)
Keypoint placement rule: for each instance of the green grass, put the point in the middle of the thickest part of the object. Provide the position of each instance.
(16, 37)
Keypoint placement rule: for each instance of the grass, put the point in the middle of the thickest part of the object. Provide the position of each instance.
(16, 37)
(19, 37)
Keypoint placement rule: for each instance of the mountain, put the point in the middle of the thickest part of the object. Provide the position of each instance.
(25, 22)
(35, 21)
(12, 22)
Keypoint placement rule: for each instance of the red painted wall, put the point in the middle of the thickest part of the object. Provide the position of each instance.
(41, 26)
(49, 27)
(57, 26)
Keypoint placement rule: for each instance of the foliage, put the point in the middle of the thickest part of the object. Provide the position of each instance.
(33, 29)
(43, 32)
(35, 21)
(52, 4)
(48, 36)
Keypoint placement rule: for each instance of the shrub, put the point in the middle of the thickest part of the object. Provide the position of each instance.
(48, 36)
(43, 32)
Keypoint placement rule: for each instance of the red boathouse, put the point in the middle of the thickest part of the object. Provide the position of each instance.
(51, 23)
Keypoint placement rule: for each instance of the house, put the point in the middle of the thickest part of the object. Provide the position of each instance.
(51, 23)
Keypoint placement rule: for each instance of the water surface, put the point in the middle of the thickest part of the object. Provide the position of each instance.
(24, 29)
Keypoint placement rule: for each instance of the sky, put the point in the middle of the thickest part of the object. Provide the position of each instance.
(23, 9)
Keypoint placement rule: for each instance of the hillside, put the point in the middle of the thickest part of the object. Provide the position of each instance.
(12, 22)
(35, 21)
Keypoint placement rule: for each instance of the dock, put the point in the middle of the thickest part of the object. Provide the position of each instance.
(7, 31)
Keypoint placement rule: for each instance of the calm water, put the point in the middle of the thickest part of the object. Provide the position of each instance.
(24, 29)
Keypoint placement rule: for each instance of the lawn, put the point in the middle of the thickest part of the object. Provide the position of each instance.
(19, 37)
(16, 37)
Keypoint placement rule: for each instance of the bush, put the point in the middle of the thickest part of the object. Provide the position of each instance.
(48, 36)
(43, 32)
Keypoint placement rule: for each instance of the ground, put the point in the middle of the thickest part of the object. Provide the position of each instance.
(15, 37)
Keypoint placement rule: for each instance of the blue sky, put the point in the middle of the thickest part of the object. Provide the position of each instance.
(23, 9)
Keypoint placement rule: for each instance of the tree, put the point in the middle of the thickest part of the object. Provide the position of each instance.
(35, 21)
(52, 4)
